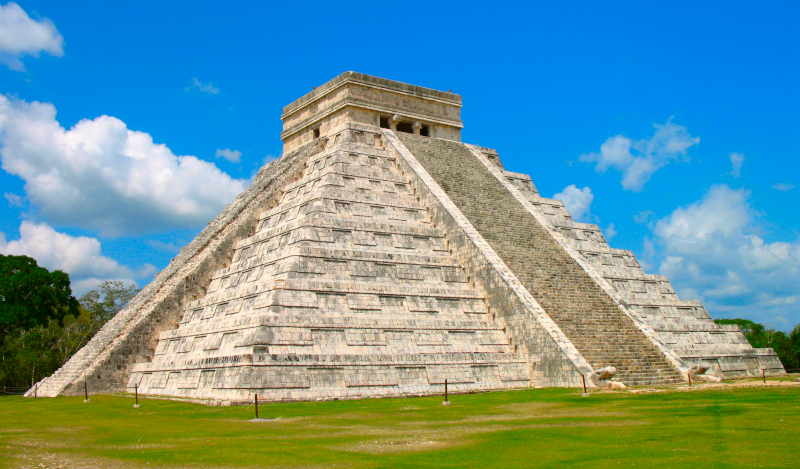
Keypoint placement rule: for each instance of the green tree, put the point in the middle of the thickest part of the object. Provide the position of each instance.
(794, 348)
(108, 301)
(32, 296)
(752, 331)
(31, 354)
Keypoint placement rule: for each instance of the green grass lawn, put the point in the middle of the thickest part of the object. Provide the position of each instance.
(721, 427)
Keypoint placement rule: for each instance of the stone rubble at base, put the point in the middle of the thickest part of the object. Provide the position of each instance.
(368, 261)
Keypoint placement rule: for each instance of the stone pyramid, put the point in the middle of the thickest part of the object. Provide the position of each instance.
(380, 256)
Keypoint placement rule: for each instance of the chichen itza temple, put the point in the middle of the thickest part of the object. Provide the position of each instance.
(381, 256)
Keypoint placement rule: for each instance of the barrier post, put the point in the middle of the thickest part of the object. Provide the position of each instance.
(256, 405)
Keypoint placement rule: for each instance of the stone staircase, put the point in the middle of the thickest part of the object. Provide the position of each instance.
(54, 384)
(585, 313)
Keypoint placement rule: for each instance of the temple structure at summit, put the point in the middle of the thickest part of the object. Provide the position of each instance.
(381, 256)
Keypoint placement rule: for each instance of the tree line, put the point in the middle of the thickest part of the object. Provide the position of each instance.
(42, 324)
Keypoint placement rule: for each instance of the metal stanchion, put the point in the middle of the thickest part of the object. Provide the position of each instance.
(85, 392)
(256, 405)
(446, 401)
(585, 393)
(136, 391)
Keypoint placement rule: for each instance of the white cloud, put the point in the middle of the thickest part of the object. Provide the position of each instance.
(20, 35)
(711, 251)
(644, 217)
(79, 256)
(231, 155)
(101, 175)
(721, 213)
(14, 200)
(197, 85)
(610, 232)
(577, 201)
(638, 160)
(737, 159)
(783, 187)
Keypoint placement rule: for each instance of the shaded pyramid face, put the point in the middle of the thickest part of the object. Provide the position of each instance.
(345, 289)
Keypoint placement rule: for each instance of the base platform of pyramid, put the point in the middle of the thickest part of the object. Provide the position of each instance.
(380, 256)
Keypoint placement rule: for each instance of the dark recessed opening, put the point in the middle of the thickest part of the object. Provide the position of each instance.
(316, 132)
(405, 127)
(425, 131)
(385, 122)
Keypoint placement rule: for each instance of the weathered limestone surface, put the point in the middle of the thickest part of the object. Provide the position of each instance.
(379, 256)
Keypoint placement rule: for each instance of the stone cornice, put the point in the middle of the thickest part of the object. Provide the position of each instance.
(369, 81)
(372, 106)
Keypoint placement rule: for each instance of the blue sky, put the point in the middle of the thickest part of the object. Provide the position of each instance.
(676, 124)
